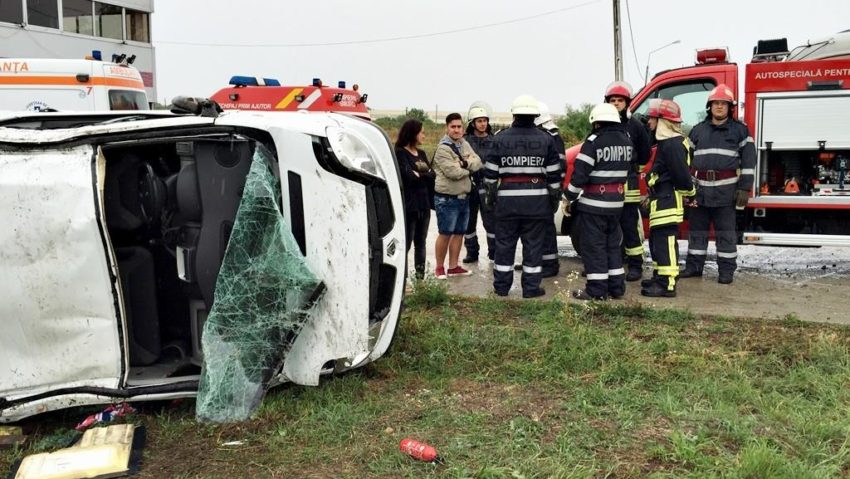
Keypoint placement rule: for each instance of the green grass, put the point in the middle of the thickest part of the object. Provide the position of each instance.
(508, 389)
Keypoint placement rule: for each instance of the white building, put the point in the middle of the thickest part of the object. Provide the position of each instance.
(75, 28)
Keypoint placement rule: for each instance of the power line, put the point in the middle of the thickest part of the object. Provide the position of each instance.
(632, 36)
(387, 39)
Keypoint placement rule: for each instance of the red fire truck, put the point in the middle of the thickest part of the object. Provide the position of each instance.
(266, 94)
(797, 107)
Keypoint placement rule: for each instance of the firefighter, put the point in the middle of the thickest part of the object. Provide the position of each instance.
(669, 183)
(522, 185)
(551, 265)
(724, 165)
(597, 185)
(479, 135)
(619, 94)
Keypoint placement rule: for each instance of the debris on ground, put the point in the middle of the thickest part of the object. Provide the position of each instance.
(101, 452)
(420, 451)
(107, 415)
(11, 436)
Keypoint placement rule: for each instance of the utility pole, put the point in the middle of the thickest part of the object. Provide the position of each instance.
(618, 43)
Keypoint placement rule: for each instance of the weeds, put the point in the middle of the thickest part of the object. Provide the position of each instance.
(508, 389)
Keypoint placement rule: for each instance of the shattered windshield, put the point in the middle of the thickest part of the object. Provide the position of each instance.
(263, 297)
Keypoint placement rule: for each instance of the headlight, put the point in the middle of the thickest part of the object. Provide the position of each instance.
(354, 152)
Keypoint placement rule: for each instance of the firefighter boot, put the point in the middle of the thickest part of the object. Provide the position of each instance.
(724, 278)
(533, 293)
(690, 273)
(645, 283)
(658, 290)
(635, 273)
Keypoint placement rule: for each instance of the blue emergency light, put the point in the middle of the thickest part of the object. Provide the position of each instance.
(243, 81)
(317, 82)
(271, 82)
(96, 55)
(341, 84)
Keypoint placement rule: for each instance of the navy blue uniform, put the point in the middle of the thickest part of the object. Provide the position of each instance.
(597, 184)
(524, 172)
(551, 265)
(630, 219)
(470, 240)
(723, 163)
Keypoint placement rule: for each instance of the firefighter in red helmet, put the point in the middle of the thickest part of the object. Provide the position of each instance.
(724, 166)
(619, 94)
(668, 183)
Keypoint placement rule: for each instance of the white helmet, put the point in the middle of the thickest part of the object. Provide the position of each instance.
(545, 118)
(525, 105)
(476, 112)
(604, 112)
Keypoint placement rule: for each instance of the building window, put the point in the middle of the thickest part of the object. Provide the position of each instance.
(107, 21)
(77, 16)
(44, 13)
(138, 28)
(12, 11)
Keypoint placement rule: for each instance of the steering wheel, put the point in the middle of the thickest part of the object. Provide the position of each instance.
(152, 194)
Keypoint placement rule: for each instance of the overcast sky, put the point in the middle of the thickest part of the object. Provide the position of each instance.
(560, 51)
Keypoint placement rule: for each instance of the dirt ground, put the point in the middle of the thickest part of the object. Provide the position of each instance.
(772, 282)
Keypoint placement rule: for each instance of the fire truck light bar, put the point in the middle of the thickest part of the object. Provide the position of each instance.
(712, 55)
(239, 80)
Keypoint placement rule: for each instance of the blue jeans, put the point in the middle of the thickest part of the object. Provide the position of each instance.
(452, 214)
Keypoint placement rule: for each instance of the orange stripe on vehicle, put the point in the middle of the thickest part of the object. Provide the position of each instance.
(288, 98)
(69, 80)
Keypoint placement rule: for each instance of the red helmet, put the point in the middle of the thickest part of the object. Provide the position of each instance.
(667, 109)
(721, 93)
(618, 88)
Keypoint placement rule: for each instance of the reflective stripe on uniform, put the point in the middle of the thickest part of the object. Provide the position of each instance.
(716, 151)
(616, 272)
(554, 186)
(727, 255)
(636, 251)
(590, 161)
(591, 137)
(470, 236)
(727, 181)
(600, 204)
(555, 167)
(573, 189)
(596, 276)
(609, 174)
(522, 170)
(698, 252)
(748, 171)
(524, 192)
(503, 268)
(491, 166)
(549, 257)
(490, 180)
(744, 142)
(532, 269)
(491, 235)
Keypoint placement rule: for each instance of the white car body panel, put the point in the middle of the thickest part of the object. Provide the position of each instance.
(59, 311)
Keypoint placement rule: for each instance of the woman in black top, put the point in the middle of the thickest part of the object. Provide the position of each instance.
(418, 179)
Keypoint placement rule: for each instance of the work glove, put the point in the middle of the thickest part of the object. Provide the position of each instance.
(488, 200)
(554, 199)
(644, 206)
(566, 207)
(741, 198)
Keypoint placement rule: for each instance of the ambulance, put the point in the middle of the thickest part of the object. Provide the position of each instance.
(47, 84)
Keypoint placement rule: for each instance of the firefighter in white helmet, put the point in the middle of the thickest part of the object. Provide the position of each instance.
(551, 265)
(619, 94)
(522, 179)
(597, 186)
(724, 166)
(479, 135)
(669, 182)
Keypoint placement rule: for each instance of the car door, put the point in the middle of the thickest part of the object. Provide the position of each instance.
(60, 308)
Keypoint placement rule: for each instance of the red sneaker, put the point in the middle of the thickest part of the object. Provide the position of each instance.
(440, 272)
(458, 271)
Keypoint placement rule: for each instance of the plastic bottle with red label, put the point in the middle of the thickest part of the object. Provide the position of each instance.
(420, 450)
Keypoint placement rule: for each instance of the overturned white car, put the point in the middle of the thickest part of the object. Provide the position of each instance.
(129, 238)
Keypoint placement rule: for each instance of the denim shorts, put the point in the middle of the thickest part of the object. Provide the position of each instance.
(452, 214)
